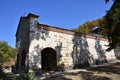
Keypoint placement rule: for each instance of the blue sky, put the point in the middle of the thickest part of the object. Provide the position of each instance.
(66, 14)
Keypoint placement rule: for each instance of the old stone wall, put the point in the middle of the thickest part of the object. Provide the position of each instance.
(72, 50)
(22, 42)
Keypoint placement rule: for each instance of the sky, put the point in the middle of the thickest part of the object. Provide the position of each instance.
(66, 14)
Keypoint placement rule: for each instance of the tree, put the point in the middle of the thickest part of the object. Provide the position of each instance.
(110, 24)
(89, 25)
(106, 1)
(6, 52)
(112, 19)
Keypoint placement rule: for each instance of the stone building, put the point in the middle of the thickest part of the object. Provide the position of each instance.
(40, 46)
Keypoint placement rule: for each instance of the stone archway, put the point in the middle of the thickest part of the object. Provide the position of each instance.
(48, 59)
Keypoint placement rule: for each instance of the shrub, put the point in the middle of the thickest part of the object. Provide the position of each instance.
(26, 76)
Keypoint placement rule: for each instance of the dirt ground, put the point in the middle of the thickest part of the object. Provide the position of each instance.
(111, 72)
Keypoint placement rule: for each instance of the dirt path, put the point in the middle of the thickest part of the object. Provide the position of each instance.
(111, 72)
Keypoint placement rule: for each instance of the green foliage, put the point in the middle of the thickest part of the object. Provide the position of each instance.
(6, 52)
(106, 1)
(84, 29)
(26, 76)
(113, 25)
(110, 25)
(75, 29)
(87, 26)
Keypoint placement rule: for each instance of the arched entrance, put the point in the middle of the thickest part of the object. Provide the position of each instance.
(23, 58)
(49, 60)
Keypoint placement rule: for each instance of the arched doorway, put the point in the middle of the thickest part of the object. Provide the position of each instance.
(17, 61)
(49, 60)
(23, 58)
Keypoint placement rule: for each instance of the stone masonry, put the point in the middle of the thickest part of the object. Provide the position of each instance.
(51, 48)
